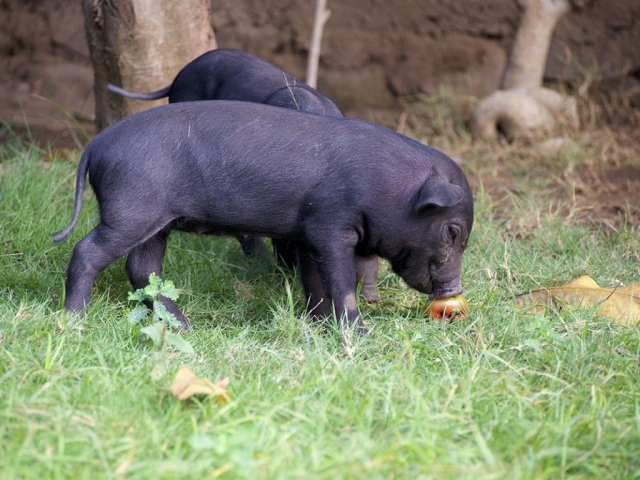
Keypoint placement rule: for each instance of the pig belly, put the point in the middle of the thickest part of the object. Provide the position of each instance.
(235, 225)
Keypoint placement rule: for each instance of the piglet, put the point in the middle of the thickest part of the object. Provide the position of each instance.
(338, 188)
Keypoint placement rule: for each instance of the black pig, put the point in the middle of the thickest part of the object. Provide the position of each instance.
(233, 168)
(228, 74)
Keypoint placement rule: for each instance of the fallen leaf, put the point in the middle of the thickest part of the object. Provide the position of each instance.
(622, 304)
(186, 384)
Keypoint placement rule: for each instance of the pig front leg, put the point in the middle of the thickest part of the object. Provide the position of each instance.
(329, 279)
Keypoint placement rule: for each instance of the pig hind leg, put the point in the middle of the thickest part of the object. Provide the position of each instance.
(285, 252)
(99, 249)
(367, 272)
(146, 259)
(254, 247)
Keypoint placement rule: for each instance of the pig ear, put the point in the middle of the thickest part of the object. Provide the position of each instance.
(437, 193)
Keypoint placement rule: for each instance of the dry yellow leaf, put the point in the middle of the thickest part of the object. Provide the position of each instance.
(622, 304)
(186, 384)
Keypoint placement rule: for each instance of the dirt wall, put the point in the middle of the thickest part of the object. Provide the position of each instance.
(376, 50)
(373, 51)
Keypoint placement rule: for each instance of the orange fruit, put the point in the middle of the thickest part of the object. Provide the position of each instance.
(448, 308)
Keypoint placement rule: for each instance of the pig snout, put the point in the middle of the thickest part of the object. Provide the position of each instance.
(447, 289)
(445, 280)
(433, 285)
(437, 280)
(437, 289)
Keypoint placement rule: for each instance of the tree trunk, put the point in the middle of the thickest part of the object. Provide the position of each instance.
(525, 68)
(523, 106)
(141, 45)
(321, 17)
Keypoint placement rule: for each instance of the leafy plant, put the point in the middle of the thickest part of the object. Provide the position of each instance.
(158, 331)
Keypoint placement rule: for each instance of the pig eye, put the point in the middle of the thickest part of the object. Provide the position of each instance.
(453, 231)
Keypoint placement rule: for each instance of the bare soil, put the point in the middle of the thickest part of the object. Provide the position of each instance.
(46, 82)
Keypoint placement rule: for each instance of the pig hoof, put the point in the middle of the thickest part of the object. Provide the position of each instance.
(354, 331)
(186, 325)
(363, 331)
(360, 329)
(370, 294)
(351, 327)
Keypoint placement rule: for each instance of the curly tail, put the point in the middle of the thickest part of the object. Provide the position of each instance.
(140, 96)
(83, 166)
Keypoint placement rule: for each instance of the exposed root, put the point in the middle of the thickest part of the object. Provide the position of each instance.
(521, 112)
(523, 107)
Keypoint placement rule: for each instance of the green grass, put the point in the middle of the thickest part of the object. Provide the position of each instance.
(502, 394)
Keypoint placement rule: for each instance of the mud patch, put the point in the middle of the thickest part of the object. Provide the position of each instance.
(609, 196)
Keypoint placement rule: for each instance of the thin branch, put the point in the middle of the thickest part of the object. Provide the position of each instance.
(321, 17)
(291, 89)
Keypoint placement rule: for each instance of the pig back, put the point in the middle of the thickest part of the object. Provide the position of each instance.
(256, 164)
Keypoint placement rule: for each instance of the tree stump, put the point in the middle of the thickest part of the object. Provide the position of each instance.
(141, 45)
